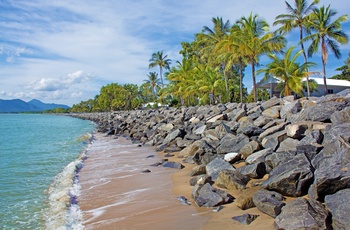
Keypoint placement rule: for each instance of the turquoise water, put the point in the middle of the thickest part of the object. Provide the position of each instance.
(39, 155)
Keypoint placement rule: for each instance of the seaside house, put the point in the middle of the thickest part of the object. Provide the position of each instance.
(333, 85)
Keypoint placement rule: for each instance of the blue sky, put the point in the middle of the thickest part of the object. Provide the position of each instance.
(63, 51)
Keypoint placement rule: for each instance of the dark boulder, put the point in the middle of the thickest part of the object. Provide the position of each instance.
(231, 143)
(303, 214)
(291, 178)
(255, 171)
(258, 156)
(171, 164)
(245, 218)
(332, 169)
(208, 196)
(216, 166)
(173, 135)
(232, 179)
(342, 116)
(198, 170)
(268, 202)
(339, 206)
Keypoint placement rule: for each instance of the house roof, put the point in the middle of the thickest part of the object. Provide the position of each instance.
(331, 82)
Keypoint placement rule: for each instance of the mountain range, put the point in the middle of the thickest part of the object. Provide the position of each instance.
(18, 105)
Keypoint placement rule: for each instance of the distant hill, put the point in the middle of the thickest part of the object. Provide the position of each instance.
(18, 105)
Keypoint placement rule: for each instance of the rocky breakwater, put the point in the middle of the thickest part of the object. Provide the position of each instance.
(289, 148)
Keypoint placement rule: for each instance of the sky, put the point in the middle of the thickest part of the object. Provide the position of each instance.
(64, 51)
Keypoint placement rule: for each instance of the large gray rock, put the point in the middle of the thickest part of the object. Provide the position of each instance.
(173, 135)
(258, 156)
(275, 159)
(272, 130)
(288, 144)
(273, 141)
(221, 130)
(291, 178)
(231, 143)
(198, 147)
(273, 112)
(335, 131)
(261, 121)
(208, 196)
(216, 166)
(332, 169)
(248, 149)
(290, 108)
(268, 202)
(271, 102)
(339, 205)
(303, 214)
(255, 171)
(321, 111)
(232, 179)
(342, 116)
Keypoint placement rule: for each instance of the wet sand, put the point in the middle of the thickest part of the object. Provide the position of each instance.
(116, 195)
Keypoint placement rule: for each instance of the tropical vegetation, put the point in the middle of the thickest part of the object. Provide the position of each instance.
(214, 63)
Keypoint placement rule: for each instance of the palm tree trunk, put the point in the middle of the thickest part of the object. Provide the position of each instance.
(161, 75)
(324, 77)
(324, 65)
(240, 80)
(254, 81)
(305, 59)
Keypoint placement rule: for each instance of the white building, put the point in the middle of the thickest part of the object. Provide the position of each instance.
(333, 86)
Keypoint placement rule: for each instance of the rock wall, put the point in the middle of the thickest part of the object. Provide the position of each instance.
(303, 145)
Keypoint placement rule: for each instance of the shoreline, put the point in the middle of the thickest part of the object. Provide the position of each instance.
(126, 197)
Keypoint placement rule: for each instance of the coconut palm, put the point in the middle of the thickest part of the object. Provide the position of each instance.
(209, 38)
(326, 34)
(209, 81)
(153, 83)
(288, 71)
(231, 51)
(161, 60)
(296, 18)
(256, 40)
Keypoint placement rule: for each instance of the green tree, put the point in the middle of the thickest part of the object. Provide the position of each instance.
(288, 71)
(230, 49)
(153, 83)
(297, 17)
(256, 40)
(326, 34)
(209, 38)
(209, 81)
(161, 60)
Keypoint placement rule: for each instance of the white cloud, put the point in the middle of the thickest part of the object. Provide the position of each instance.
(111, 39)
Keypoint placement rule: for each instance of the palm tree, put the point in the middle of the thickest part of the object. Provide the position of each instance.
(287, 71)
(297, 18)
(327, 34)
(209, 38)
(256, 40)
(231, 49)
(152, 82)
(209, 81)
(161, 60)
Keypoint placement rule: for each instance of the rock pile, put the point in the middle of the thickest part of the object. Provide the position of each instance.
(302, 144)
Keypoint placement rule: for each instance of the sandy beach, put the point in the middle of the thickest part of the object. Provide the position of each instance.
(115, 194)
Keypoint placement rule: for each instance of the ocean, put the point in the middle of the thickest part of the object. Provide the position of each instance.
(39, 158)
